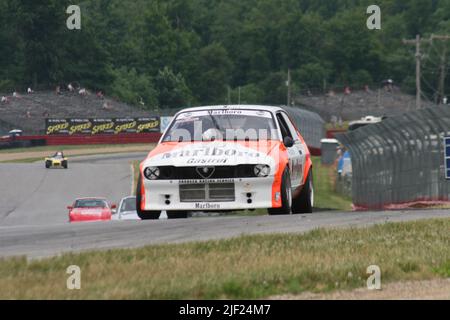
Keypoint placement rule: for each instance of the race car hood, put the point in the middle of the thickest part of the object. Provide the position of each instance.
(217, 153)
(90, 211)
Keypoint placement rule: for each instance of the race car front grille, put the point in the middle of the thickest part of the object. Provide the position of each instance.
(219, 172)
(207, 192)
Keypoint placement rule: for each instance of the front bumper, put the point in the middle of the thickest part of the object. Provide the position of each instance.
(88, 218)
(249, 193)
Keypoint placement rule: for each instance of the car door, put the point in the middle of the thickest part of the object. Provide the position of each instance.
(296, 153)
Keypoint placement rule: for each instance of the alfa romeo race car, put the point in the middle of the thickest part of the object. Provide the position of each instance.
(227, 158)
(57, 161)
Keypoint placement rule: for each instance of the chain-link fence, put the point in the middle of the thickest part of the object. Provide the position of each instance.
(310, 124)
(400, 161)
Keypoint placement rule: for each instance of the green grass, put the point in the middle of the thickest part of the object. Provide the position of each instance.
(325, 195)
(248, 267)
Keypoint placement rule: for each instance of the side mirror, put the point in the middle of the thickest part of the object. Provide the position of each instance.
(288, 142)
(70, 207)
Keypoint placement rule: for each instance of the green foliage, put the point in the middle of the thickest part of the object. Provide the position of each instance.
(172, 89)
(132, 87)
(173, 53)
(311, 75)
(212, 74)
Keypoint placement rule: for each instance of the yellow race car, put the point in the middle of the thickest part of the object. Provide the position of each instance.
(58, 160)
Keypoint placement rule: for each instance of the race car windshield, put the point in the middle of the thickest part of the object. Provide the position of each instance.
(90, 204)
(128, 205)
(226, 125)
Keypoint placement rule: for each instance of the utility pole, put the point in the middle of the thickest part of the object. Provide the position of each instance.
(443, 69)
(417, 43)
(289, 88)
(418, 74)
(443, 74)
(239, 96)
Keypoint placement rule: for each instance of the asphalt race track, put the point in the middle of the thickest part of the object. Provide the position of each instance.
(33, 195)
(33, 214)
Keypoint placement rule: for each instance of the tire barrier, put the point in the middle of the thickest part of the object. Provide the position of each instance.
(311, 126)
(400, 162)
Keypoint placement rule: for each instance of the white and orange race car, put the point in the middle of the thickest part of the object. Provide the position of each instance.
(227, 158)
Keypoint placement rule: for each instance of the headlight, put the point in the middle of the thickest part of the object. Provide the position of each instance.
(261, 170)
(152, 173)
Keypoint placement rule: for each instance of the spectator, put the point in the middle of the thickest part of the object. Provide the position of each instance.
(445, 100)
(70, 88)
(100, 95)
(28, 114)
(347, 90)
(58, 90)
(367, 89)
(388, 85)
(30, 91)
(46, 114)
(106, 106)
(5, 100)
(82, 92)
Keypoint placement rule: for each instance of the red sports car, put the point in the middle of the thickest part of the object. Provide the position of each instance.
(90, 209)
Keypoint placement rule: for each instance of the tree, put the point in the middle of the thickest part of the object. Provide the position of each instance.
(212, 74)
(131, 87)
(172, 89)
(41, 25)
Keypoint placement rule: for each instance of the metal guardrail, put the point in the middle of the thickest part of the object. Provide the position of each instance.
(310, 124)
(400, 161)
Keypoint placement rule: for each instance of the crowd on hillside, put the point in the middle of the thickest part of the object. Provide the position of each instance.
(72, 89)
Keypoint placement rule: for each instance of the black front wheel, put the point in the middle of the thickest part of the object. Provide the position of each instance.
(144, 215)
(286, 196)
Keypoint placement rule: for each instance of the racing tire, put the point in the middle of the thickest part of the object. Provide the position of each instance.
(48, 164)
(305, 201)
(286, 196)
(65, 165)
(144, 215)
(177, 214)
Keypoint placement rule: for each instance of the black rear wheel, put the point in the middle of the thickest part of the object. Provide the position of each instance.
(144, 215)
(305, 201)
(48, 164)
(65, 165)
(286, 196)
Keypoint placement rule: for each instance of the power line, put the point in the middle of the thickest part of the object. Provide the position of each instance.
(442, 67)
